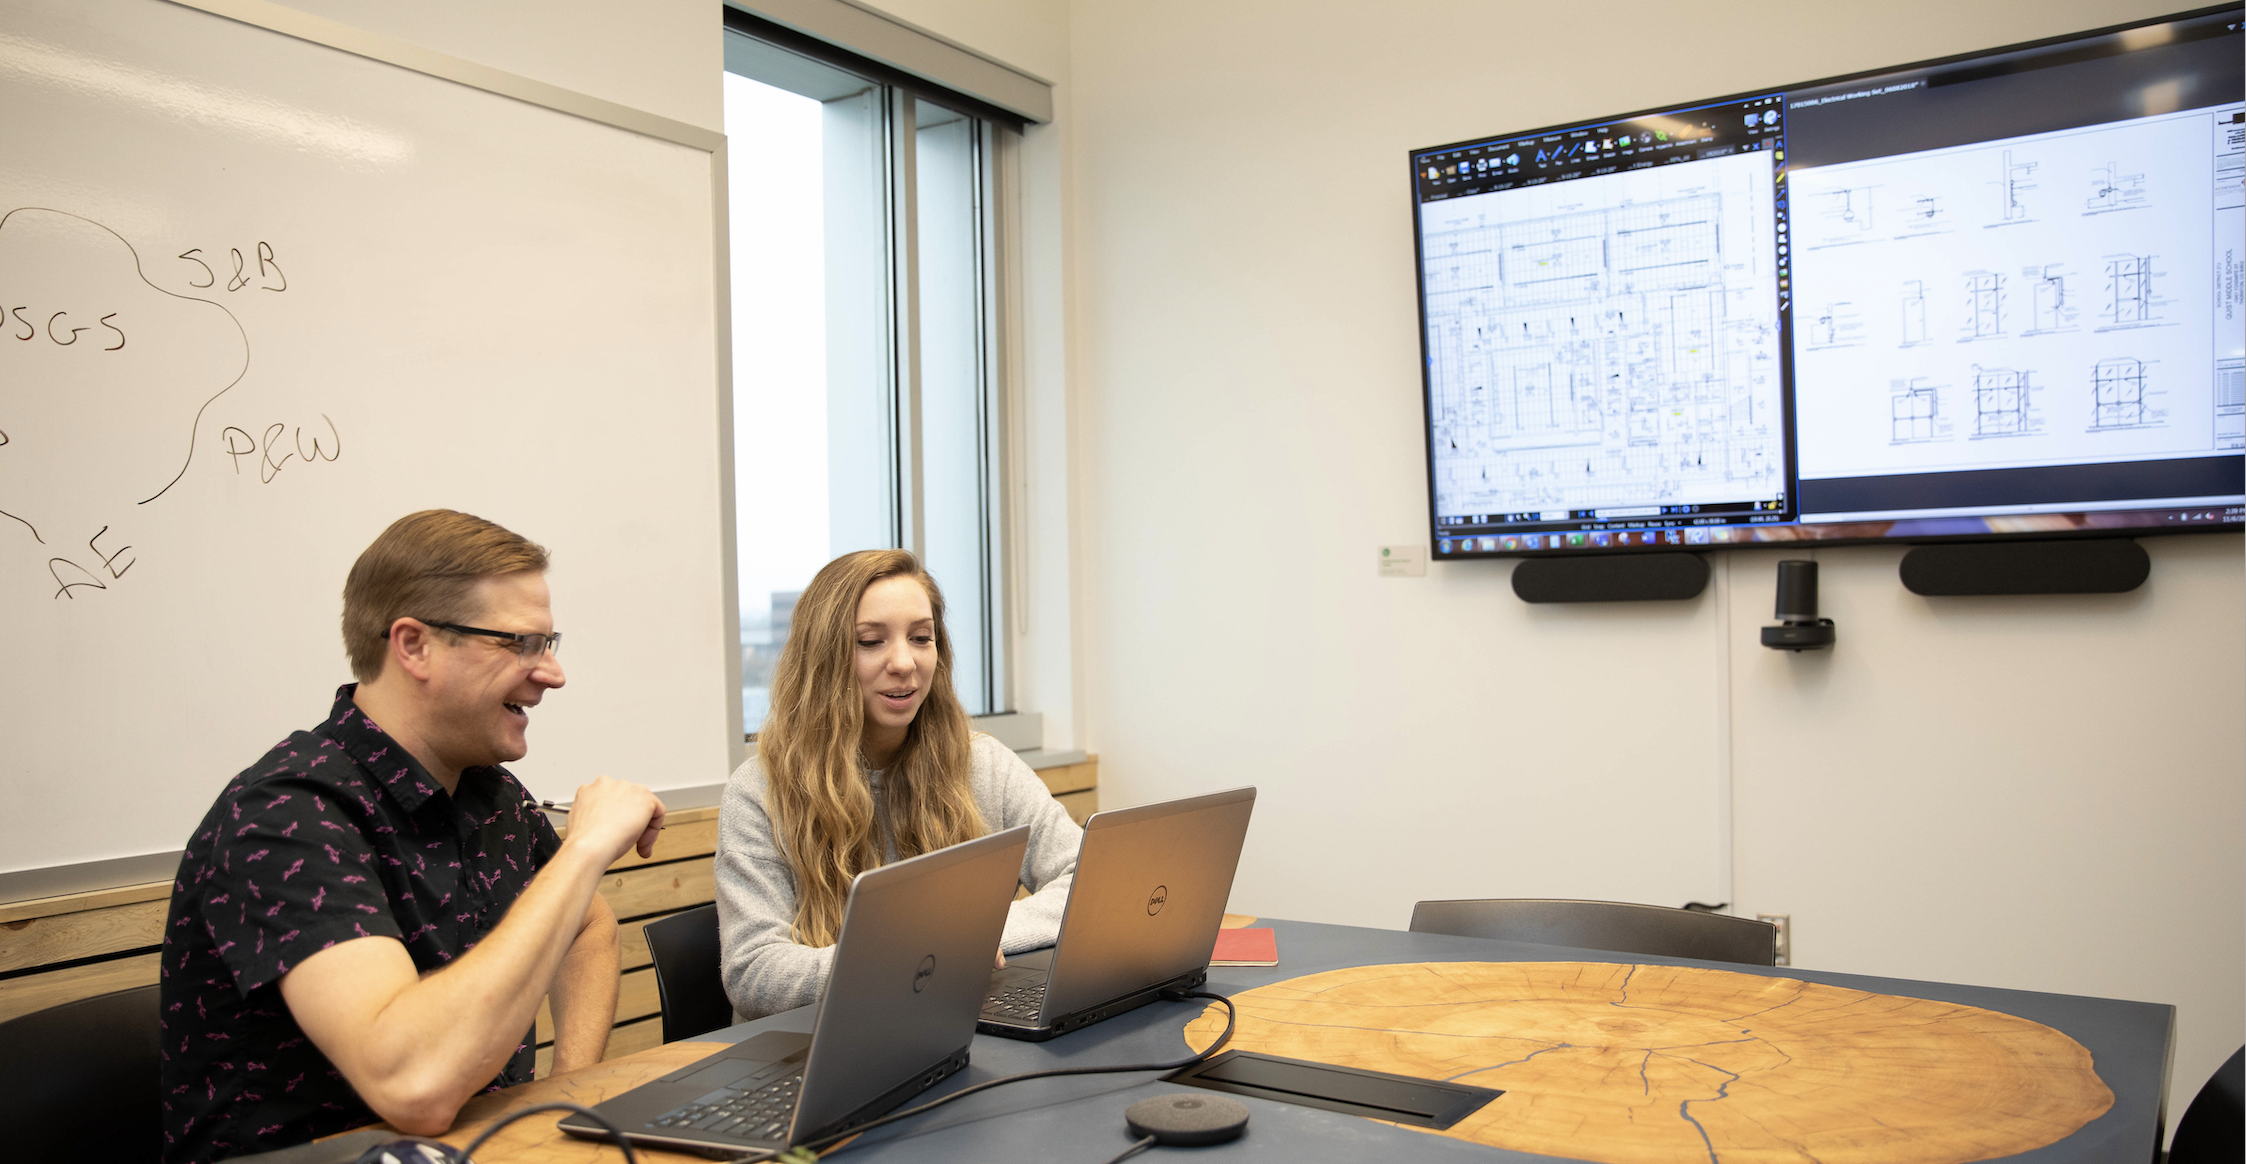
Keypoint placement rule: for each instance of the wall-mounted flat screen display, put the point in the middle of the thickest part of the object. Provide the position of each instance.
(1998, 295)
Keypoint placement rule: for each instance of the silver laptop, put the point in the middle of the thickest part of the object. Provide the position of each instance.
(896, 1017)
(1151, 883)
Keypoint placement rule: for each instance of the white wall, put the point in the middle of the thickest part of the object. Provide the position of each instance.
(2040, 793)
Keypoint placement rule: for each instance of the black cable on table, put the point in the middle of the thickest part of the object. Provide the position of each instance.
(1230, 1015)
(468, 1154)
(1131, 1151)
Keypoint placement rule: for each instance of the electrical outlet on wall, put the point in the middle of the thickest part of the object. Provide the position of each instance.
(1785, 924)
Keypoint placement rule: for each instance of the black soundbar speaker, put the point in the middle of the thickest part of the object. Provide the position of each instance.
(2087, 566)
(1619, 578)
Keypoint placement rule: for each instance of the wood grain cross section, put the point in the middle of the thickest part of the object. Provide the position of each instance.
(1629, 1064)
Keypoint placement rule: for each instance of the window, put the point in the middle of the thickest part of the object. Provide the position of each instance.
(865, 402)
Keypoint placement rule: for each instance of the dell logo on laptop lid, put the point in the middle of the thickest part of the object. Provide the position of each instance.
(1156, 900)
(921, 976)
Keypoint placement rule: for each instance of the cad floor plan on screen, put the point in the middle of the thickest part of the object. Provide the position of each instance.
(1606, 341)
(2048, 299)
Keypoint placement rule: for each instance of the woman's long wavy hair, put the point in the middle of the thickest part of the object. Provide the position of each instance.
(814, 771)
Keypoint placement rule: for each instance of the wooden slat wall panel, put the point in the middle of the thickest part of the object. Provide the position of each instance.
(637, 1036)
(96, 899)
(631, 943)
(660, 888)
(1073, 778)
(26, 993)
(689, 832)
(636, 995)
(66, 937)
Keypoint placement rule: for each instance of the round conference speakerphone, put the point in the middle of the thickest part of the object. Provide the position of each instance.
(1187, 1120)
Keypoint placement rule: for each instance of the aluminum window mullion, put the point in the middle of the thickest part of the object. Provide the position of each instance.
(904, 198)
(990, 502)
(1009, 472)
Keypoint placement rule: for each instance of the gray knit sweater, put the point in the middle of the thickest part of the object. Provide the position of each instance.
(767, 971)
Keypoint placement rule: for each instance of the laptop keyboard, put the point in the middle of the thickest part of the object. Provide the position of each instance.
(761, 1114)
(1022, 1002)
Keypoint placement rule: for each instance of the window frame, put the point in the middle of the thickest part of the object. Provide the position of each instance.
(996, 141)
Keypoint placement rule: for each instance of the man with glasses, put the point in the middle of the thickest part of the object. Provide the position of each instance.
(366, 922)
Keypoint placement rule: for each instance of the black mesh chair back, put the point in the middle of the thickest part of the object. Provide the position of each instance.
(685, 949)
(78, 1082)
(1604, 925)
(2214, 1126)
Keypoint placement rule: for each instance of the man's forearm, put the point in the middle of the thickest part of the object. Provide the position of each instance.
(427, 1044)
(584, 993)
(470, 1017)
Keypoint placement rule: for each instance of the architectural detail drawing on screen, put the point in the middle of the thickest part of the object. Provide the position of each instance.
(1924, 215)
(1846, 212)
(2122, 396)
(1850, 215)
(2015, 180)
(2110, 190)
(2131, 300)
(1916, 414)
(1984, 306)
(1835, 325)
(2052, 310)
(2002, 403)
(1914, 314)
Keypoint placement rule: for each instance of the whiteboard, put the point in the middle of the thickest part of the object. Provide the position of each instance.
(264, 296)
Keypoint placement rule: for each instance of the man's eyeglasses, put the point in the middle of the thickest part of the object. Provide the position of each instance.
(530, 647)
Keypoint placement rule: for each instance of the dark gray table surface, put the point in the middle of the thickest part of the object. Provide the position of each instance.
(1079, 1119)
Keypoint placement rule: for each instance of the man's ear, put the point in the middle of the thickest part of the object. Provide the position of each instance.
(410, 646)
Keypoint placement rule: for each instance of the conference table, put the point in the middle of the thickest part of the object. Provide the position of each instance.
(1615, 1058)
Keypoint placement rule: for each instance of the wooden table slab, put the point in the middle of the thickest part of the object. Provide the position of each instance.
(1643, 1064)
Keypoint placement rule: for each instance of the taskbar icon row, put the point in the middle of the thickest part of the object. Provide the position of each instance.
(1592, 540)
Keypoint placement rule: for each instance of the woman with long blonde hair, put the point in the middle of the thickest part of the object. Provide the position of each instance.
(866, 757)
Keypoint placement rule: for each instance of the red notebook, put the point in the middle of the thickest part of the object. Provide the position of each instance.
(1246, 947)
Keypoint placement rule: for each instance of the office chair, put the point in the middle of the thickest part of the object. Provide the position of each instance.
(687, 978)
(2214, 1126)
(1604, 925)
(78, 1081)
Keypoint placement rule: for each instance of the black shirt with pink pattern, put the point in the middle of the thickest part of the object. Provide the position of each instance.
(336, 834)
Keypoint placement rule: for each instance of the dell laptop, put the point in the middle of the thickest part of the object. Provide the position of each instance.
(897, 1014)
(1142, 917)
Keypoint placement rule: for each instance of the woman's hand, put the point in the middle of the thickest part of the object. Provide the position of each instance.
(1000, 964)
